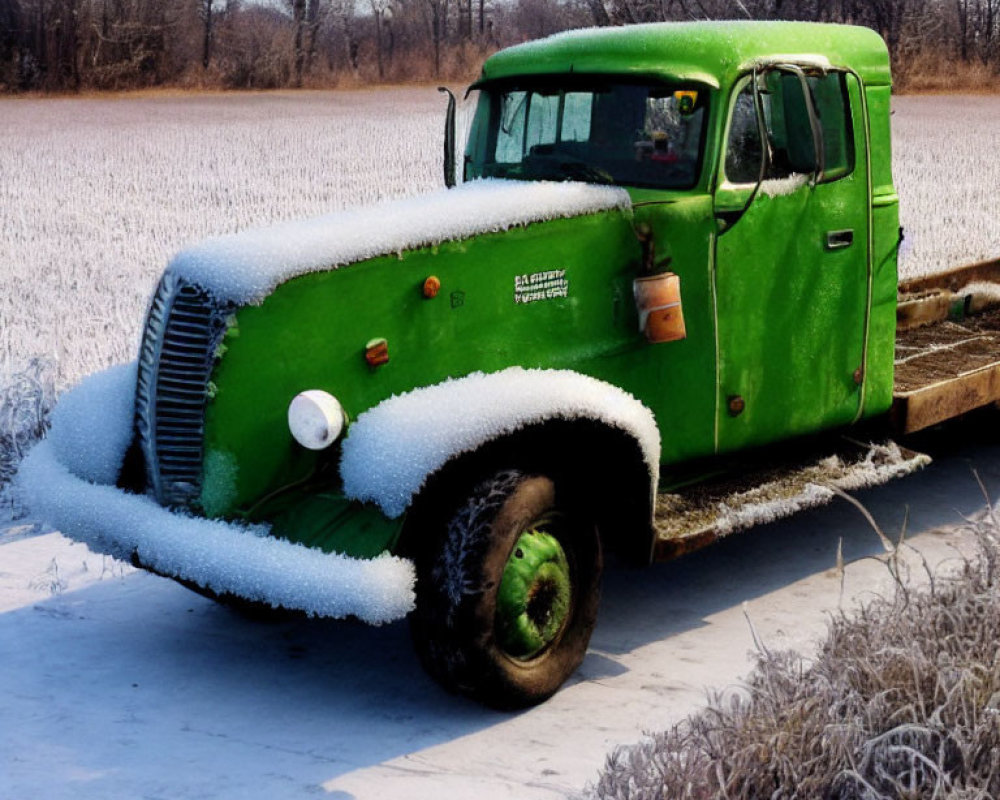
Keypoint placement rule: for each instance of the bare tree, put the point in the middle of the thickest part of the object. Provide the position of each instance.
(298, 28)
(986, 25)
(205, 11)
(437, 20)
(379, 10)
(63, 44)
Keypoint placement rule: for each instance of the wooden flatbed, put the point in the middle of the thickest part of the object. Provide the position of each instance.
(947, 346)
(947, 363)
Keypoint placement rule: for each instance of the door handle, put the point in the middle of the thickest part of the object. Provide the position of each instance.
(837, 240)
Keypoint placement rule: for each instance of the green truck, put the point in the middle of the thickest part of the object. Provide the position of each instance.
(661, 306)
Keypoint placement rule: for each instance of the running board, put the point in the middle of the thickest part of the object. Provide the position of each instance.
(695, 516)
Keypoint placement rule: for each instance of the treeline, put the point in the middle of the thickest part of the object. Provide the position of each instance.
(71, 45)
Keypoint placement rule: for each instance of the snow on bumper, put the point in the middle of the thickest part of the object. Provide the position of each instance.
(65, 481)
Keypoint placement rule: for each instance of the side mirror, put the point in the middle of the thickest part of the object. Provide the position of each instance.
(449, 139)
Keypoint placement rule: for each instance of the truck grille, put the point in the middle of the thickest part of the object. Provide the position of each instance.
(183, 329)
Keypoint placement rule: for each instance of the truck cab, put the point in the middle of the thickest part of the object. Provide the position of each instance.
(757, 160)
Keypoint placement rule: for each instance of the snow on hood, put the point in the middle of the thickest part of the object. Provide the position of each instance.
(393, 447)
(245, 267)
(68, 480)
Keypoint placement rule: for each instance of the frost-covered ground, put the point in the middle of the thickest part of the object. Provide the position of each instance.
(115, 683)
(96, 195)
(119, 684)
(946, 171)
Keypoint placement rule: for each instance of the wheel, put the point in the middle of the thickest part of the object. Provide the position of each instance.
(507, 600)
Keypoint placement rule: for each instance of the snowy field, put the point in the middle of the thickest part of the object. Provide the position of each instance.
(946, 171)
(115, 683)
(96, 195)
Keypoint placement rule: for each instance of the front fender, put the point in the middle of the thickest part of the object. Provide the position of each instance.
(394, 447)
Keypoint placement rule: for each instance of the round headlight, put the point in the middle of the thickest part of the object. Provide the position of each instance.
(315, 419)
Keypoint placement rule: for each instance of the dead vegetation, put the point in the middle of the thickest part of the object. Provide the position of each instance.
(26, 400)
(902, 701)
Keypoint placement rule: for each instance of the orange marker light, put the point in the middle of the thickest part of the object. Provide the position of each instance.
(377, 352)
(431, 287)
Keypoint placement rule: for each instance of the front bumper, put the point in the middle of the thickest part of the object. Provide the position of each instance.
(68, 481)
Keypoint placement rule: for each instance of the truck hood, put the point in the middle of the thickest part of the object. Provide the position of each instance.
(244, 268)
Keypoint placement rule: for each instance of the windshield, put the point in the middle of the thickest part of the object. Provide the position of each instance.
(631, 134)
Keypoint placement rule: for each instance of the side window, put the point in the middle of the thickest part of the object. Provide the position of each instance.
(834, 110)
(790, 142)
(788, 127)
(743, 151)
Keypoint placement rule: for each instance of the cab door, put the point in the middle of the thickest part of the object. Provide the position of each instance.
(791, 271)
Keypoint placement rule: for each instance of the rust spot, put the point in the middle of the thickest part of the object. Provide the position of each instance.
(735, 404)
(432, 286)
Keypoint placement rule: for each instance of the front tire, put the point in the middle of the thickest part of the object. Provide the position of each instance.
(507, 602)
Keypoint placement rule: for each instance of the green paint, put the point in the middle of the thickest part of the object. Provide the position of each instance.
(772, 313)
(218, 483)
(329, 521)
(714, 53)
(535, 595)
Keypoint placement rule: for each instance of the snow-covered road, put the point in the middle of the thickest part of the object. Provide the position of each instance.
(119, 684)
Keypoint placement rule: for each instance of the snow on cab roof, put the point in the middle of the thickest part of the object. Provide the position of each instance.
(713, 53)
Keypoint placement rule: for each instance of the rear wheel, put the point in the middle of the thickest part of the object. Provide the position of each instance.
(507, 601)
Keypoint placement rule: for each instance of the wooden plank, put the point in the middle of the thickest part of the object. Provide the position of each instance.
(929, 405)
(924, 310)
(954, 279)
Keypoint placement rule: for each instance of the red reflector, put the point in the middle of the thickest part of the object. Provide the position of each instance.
(377, 352)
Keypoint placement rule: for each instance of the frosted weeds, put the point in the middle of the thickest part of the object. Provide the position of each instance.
(245, 267)
(392, 448)
(901, 700)
(26, 398)
(68, 480)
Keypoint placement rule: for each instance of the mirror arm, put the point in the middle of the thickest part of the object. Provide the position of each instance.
(731, 218)
(449, 139)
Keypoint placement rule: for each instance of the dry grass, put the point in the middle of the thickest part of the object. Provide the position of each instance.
(902, 701)
(939, 71)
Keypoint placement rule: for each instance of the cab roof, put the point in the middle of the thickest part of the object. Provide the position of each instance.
(710, 53)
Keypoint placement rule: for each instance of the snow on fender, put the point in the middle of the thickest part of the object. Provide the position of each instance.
(393, 447)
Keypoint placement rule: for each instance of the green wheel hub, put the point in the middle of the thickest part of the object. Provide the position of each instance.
(533, 602)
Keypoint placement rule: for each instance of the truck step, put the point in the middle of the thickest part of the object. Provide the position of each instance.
(690, 518)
